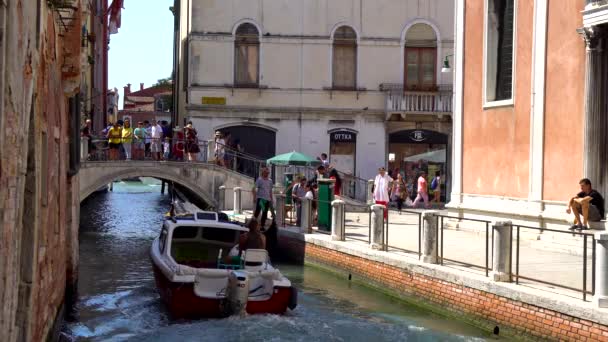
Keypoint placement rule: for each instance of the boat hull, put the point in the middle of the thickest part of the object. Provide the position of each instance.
(182, 302)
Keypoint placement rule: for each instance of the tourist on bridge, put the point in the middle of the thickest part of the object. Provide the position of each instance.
(219, 148)
(179, 144)
(589, 203)
(127, 138)
(382, 184)
(191, 142)
(156, 132)
(148, 130)
(114, 137)
(139, 134)
(262, 194)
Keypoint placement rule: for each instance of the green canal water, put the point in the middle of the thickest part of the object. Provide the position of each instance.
(117, 299)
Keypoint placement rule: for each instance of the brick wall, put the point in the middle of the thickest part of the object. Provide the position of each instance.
(37, 216)
(485, 309)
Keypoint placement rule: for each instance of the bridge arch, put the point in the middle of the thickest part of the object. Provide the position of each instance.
(201, 178)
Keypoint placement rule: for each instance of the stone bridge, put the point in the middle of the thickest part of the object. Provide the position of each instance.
(203, 179)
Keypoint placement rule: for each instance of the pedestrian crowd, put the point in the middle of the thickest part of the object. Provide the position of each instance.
(149, 140)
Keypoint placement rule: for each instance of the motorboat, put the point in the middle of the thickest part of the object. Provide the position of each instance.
(196, 277)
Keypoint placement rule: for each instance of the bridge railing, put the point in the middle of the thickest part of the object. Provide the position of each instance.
(173, 149)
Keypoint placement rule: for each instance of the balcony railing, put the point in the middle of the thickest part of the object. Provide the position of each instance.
(417, 102)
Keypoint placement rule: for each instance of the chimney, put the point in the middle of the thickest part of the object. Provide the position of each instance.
(127, 89)
(141, 86)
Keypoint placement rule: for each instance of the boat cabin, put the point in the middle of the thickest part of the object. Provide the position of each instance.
(196, 239)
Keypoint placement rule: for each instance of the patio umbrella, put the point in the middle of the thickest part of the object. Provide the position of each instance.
(293, 158)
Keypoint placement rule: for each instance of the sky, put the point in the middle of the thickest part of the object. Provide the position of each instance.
(142, 50)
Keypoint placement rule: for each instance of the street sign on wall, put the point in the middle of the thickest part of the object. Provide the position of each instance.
(221, 101)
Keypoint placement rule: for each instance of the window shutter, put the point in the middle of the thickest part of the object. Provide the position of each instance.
(504, 77)
(345, 66)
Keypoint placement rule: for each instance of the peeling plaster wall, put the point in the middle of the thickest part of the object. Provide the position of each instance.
(38, 212)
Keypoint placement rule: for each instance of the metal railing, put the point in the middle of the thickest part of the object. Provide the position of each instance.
(489, 247)
(389, 244)
(585, 236)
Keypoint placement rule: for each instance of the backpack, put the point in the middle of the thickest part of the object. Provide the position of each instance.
(434, 184)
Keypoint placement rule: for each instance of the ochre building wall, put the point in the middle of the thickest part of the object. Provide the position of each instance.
(496, 141)
(564, 107)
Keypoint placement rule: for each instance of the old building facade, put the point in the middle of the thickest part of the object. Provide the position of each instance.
(530, 106)
(152, 103)
(41, 54)
(359, 80)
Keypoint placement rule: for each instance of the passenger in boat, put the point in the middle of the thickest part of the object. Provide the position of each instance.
(253, 239)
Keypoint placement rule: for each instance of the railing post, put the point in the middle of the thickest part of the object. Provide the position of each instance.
(238, 201)
(280, 210)
(306, 220)
(503, 241)
(84, 148)
(370, 197)
(211, 151)
(377, 227)
(337, 220)
(429, 237)
(222, 198)
(601, 270)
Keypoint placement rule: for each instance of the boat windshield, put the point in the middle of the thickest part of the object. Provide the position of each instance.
(199, 246)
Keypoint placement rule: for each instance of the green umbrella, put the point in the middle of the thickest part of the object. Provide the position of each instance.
(293, 158)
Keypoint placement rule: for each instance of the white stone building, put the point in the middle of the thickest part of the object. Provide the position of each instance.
(318, 76)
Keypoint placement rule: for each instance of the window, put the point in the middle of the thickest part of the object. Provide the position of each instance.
(499, 50)
(185, 232)
(247, 56)
(220, 234)
(420, 58)
(420, 68)
(344, 64)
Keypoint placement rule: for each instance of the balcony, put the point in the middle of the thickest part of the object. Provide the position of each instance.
(595, 12)
(402, 102)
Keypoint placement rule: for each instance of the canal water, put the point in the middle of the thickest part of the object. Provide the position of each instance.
(117, 299)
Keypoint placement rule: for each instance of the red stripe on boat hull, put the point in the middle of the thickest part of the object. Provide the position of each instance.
(182, 302)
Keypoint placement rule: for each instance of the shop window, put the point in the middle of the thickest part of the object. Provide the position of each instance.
(499, 27)
(420, 68)
(344, 63)
(247, 56)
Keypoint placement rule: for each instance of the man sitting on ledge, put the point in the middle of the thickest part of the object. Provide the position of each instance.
(588, 202)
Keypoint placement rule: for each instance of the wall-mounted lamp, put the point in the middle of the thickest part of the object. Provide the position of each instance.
(391, 157)
(446, 64)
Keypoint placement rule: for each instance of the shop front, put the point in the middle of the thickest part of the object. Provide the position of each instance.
(342, 150)
(413, 151)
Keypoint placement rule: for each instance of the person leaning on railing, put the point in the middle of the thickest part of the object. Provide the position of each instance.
(114, 137)
(191, 142)
(139, 134)
(127, 138)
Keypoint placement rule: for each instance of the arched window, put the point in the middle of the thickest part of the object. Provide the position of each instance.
(247, 56)
(344, 64)
(420, 57)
